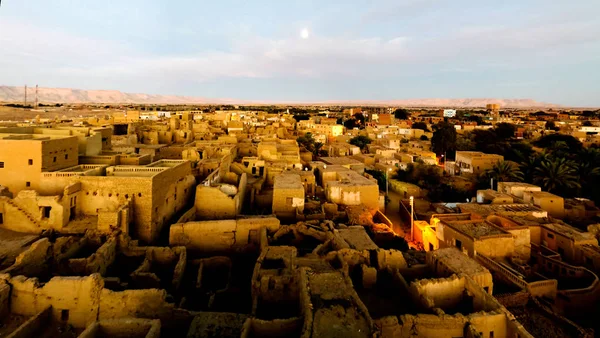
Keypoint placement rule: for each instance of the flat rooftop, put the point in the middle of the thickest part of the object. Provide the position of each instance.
(340, 160)
(33, 137)
(543, 194)
(570, 232)
(498, 208)
(352, 178)
(458, 261)
(519, 184)
(288, 180)
(477, 154)
(477, 229)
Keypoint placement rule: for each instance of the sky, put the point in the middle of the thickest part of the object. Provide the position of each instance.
(285, 50)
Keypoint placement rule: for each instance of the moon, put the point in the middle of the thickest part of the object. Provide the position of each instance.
(304, 33)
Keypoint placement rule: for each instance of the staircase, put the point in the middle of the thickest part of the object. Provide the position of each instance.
(25, 213)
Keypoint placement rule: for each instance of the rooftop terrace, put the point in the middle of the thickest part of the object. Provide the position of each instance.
(570, 232)
(477, 229)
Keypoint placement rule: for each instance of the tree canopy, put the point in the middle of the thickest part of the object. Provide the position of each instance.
(361, 141)
(401, 114)
(420, 125)
(550, 125)
(444, 138)
(549, 139)
(505, 130)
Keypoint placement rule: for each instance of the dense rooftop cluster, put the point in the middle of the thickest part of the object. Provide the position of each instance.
(254, 223)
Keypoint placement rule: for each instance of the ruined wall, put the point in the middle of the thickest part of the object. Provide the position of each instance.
(221, 235)
(490, 324)
(445, 293)
(16, 219)
(58, 207)
(150, 303)
(212, 203)
(73, 299)
(123, 328)
(427, 325)
(33, 261)
(97, 262)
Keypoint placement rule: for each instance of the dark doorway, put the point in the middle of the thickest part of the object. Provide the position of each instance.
(72, 214)
(46, 212)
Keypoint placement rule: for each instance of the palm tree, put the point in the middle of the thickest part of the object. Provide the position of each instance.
(558, 175)
(504, 171)
(588, 174)
(318, 149)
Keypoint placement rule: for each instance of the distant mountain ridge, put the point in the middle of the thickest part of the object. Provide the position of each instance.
(68, 95)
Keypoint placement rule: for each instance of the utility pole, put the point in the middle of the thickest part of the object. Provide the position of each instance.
(412, 218)
(25, 102)
(36, 96)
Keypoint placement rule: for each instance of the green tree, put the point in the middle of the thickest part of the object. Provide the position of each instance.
(465, 142)
(556, 176)
(401, 114)
(361, 141)
(307, 141)
(550, 125)
(379, 176)
(303, 117)
(548, 140)
(318, 149)
(424, 138)
(587, 124)
(505, 130)
(360, 119)
(444, 139)
(420, 125)
(350, 123)
(504, 171)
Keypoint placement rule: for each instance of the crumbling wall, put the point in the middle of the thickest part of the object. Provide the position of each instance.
(254, 327)
(33, 325)
(33, 261)
(149, 303)
(427, 325)
(97, 262)
(65, 247)
(275, 280)
(490, 324)
(123, 328)
(444, 293)
(393, 259)
(206, 236)
(221, 235)
(30, 202)
(16, 219)
(74, 300)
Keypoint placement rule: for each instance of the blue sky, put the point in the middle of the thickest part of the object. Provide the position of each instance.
(356, 50)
